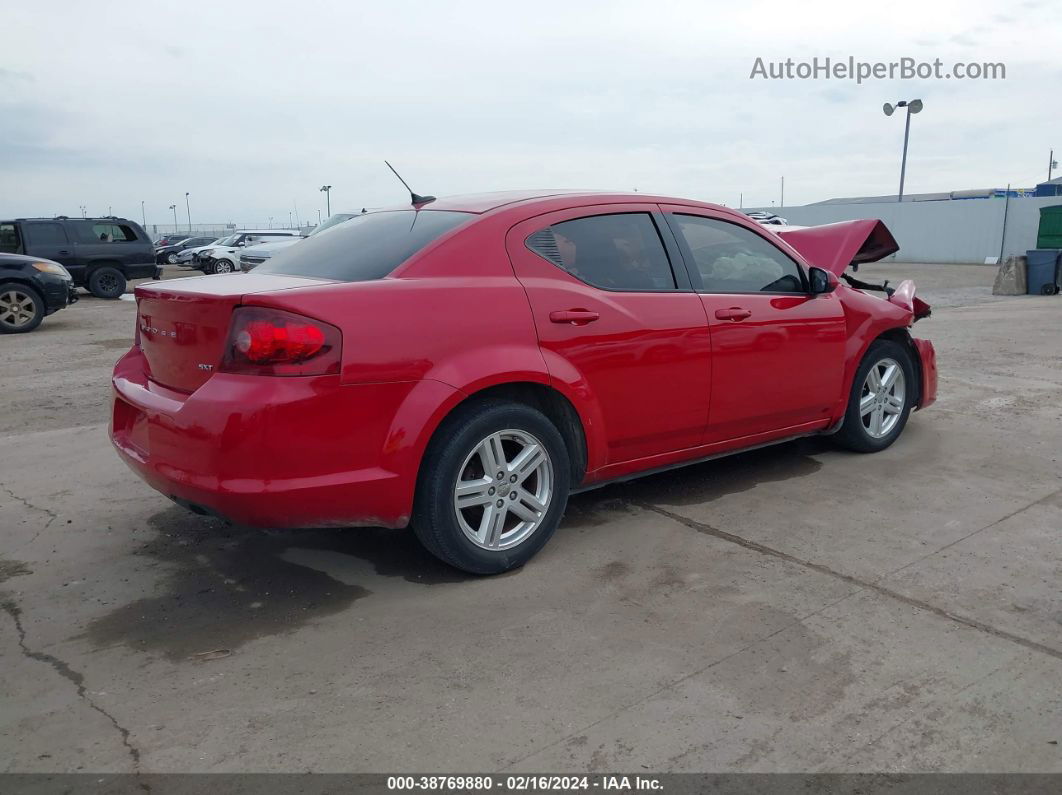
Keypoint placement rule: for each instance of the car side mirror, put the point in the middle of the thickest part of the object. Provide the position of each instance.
(822, 281)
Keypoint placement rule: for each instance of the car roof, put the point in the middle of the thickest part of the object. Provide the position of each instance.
(279, 232)
(481, 203)
(110, 218)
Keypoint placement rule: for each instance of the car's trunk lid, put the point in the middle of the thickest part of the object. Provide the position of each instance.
(183, 324)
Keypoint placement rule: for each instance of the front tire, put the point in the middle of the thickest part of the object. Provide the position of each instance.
(106, 282)
(222, 266)
(21, 308)
(883, 394)
(171, 258)
(493, 487)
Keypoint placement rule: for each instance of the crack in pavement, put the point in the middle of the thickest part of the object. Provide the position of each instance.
(52, 515)
(988, 526)
(74, 677)
(762, 549)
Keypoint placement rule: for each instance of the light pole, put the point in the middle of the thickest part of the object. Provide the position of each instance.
(327, 190)
(83, 214)
(143, 215)
(318, 216)
(188, 209)
(781, 199)
(174, 208)
(913, 106)
(270, 222)
(1052, 164)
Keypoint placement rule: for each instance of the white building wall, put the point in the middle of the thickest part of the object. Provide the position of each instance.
(963, 231)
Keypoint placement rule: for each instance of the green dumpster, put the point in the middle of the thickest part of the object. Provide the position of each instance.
(1050, 232)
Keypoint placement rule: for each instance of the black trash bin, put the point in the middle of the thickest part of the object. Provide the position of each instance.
(1042, 270)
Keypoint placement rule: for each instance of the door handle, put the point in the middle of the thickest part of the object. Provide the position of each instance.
(577, 317)
(733, 313)
(64, 253)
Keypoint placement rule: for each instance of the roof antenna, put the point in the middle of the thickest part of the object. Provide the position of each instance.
(415, 198)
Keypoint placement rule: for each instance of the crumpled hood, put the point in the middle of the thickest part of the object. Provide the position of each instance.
(834, 247)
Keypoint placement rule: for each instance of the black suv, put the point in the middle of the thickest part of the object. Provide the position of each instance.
(100, 253)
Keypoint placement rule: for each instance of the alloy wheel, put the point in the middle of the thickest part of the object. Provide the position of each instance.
(882, 399)
(16, 308)
(504, 489)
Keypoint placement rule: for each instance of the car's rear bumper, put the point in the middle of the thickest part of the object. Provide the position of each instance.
(928, 356)
(268, 451)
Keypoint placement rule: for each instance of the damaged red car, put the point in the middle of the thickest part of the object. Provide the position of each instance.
(462, 365)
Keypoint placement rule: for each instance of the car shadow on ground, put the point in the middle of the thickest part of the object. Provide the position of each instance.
(225, 586)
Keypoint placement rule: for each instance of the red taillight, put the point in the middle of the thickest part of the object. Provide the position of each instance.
(273, 342)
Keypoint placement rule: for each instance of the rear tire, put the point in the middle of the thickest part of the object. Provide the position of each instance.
(106, 282)
(21, 308)
(882, 396)
(488, 522)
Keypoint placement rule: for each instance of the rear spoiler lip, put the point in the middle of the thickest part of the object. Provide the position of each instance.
(835, 247)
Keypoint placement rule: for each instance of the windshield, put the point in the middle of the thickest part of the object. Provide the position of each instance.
(331, 221)
(366, 247)
(225, 241)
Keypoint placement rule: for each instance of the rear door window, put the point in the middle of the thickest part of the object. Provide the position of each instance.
(614, 252)
(46, 234)
(366, 247)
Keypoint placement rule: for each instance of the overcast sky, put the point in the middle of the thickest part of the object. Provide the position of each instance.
(252, 106)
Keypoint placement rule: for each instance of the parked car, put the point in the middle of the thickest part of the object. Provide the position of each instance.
(251, 258)
(188, 257)
(30, 289)
(225, 258)
(100, 253)
(464, 365)
(169, 240)
(168, 253)
(766, 219)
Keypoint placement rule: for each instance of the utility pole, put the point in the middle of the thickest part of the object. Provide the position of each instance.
(1003, 234)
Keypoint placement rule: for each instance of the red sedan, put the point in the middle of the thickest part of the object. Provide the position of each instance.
(463, 365)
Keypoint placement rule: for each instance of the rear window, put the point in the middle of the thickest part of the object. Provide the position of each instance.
(366, 247)
(106, 232)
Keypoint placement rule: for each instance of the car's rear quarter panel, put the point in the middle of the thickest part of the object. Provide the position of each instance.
(456, 323)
